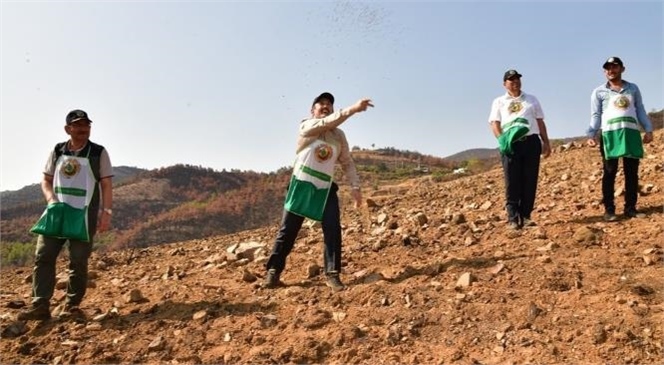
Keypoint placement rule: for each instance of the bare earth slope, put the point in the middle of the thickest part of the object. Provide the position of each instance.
(433, 277)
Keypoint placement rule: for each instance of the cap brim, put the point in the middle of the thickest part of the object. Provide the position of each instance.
(77, 119)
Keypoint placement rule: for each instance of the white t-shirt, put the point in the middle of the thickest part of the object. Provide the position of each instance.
(506, 108)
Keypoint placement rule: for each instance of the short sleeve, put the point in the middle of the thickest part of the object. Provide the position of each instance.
(494, 115)
(105, 167)
(49, 167)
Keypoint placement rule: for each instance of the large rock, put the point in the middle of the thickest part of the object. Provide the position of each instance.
(246, 250)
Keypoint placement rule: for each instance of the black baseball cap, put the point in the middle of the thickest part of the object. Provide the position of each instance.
(613, 61)
(510, 74)
(322, 96)
(76, 115)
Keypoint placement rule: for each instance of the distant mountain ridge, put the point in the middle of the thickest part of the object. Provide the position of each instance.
(474, 153)
(12, 197)
(29, 193)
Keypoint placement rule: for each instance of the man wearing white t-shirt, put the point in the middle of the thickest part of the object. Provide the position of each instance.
(517, 121)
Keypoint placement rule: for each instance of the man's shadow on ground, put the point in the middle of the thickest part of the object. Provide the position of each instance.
(648, 211)
(165, 311)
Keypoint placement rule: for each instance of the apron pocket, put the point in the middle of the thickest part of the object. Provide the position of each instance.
(62, 221)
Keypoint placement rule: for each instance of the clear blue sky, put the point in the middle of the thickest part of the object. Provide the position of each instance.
(224, 84)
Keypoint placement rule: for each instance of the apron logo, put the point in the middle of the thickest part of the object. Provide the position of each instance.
(70, 168)
(323, 152)
(622, 102)
(515, 107)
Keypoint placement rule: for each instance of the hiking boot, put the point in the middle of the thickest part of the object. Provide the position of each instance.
(633, 213)
(334, 282)
(36, 313)
(272, 280)
(610, 217)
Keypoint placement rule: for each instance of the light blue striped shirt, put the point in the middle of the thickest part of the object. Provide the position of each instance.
(600, 97)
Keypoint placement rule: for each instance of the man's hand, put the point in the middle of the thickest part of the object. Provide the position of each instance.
(647, 138)
(357, 196)
(546, 150)
(361, 105)
(104, 222)
(591, 142)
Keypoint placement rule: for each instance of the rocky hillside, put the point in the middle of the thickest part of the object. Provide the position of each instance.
(657, 119)
(433, 277)
(184, 202)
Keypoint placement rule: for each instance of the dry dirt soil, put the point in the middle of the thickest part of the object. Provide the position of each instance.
(433, 276)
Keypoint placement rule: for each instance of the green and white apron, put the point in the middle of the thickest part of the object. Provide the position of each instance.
(74, 185)
(620, 129)
(310, 184)
(512, 131)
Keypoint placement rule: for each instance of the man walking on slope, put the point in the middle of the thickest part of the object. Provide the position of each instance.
(616, 112)
(312, 193)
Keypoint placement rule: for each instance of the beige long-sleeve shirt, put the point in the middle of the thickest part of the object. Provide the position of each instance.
(326, 129)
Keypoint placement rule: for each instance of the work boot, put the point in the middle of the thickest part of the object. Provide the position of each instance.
(334, 282)
(610, 216)
(527, 222)
(36, 313)
(70, 311)
(633, 213)
(272, 280)
(513, 226)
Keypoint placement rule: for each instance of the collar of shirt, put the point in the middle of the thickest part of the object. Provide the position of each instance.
(625, 86)
(510, 97)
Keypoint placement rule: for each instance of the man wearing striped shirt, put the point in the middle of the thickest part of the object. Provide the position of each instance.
(616, 113)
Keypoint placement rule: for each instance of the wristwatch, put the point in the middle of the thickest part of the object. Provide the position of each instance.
(108, 211)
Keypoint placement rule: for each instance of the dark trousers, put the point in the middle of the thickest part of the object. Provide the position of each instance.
(610, 169)
(521, 170)
(290, 227)
(43, 275)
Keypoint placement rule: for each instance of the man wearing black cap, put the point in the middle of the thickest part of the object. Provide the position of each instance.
(73, 174)
(312, 193)
(617, 111)
(517, 121)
